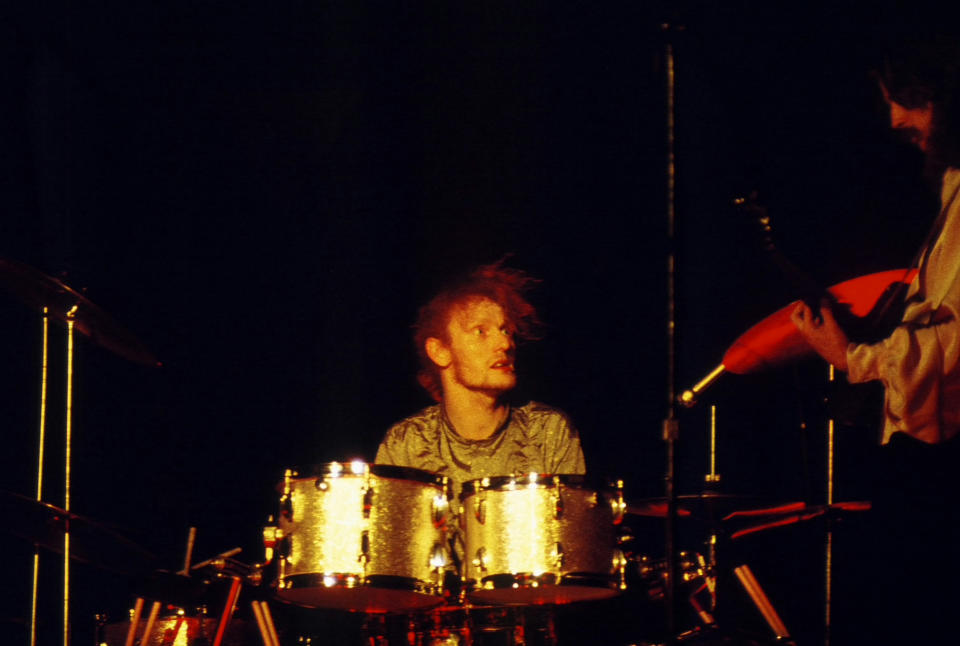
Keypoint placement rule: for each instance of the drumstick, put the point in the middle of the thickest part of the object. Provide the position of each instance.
(151, 619)
(258, 615)
(135, 621)
(265, 622)
(271, 628)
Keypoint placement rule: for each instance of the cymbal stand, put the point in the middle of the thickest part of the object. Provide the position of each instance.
(712, 478)
(762, 602)
(71, 321)
(42, 442)
(228, 609)
(743, 573)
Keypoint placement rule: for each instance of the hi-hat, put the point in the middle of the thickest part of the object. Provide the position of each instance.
(40, 291)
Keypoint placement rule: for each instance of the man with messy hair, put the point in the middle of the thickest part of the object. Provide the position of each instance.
(466, 339)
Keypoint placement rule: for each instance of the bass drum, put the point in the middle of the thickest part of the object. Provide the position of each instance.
(363, 537)
(175, 627)
(537, 539)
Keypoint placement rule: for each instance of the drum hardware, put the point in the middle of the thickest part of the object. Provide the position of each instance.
(480, 510)
(228, 609)
(441, 509)
(461, 624)
(760, 600)
(53, 298)
(170, 625)
(180, 589)
(695, 575)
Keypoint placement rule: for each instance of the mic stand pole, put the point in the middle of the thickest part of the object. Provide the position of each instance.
(671, 427)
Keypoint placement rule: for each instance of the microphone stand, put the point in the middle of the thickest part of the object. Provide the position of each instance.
(671, 427)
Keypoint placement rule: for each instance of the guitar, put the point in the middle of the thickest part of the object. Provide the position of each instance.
(885, 314)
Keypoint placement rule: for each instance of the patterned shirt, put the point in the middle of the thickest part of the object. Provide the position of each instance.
(535, 438)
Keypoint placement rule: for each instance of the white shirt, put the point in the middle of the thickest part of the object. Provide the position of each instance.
(919, 363)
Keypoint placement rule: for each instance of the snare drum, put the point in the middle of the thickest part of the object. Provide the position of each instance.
(361, 537)
(540, 539)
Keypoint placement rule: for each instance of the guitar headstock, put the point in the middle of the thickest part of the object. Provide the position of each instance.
(758, 216)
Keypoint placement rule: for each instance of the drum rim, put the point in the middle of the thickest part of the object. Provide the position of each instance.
(546, 581)
(544, 480)
(418, 593)
(342, 470)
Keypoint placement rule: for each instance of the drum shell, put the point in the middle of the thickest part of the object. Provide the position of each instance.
(539, 539)
(363, 541)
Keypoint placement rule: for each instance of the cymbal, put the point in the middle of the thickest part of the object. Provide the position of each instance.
(44, 525)
(38, 290)
(793, 514)
(775, 340)
(703, 505)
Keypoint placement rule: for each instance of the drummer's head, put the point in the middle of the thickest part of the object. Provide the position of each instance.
(489, 304)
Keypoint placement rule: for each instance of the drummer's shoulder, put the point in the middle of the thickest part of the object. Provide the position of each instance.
(537, 415)
(423, 424)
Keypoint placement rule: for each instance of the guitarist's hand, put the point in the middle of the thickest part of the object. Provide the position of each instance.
(822, 333)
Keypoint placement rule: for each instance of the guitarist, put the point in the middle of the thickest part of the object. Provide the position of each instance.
(917, 497)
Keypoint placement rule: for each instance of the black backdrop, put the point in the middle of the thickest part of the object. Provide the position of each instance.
(264, 193)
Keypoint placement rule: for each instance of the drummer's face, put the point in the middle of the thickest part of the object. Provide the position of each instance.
(481, 347)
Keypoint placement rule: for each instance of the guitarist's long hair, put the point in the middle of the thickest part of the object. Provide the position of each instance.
(918, 71)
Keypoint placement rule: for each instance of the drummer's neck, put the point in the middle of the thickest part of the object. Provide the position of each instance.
(475, 415)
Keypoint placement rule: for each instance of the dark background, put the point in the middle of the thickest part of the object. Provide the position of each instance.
(263, 193)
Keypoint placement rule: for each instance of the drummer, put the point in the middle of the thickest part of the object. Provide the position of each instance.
(466, 338)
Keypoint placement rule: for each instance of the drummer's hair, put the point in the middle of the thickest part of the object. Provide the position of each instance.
(504, 286)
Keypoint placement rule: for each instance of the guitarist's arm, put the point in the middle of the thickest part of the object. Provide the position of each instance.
(919, 361)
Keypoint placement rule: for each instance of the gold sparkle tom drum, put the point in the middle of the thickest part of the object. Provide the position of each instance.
(360, 536)
(540, 539)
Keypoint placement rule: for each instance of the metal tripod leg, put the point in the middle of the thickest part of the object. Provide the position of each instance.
(760, 600)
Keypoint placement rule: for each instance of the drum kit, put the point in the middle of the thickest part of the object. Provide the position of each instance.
(495, 563)
(490, 566)
(381, 539)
